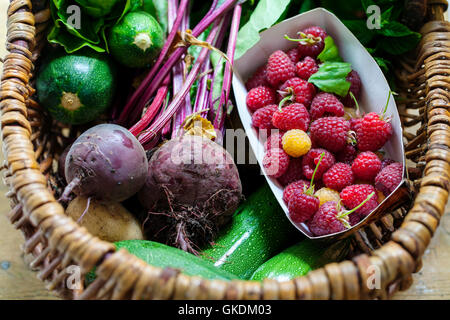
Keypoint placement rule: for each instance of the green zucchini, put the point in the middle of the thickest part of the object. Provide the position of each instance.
(258, 230)
(136, 40)
(301, 258)
(160, 255)
(76, 88)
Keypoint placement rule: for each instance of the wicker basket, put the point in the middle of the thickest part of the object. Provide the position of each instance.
(394, 244)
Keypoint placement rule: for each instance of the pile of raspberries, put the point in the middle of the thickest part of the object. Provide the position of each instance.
(306, 125)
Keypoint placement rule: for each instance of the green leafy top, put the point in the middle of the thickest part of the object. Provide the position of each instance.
(331, 77)
(330, 51)
(392, 37)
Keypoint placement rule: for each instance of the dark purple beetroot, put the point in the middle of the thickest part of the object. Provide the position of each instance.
(193, 185)
(107, 163)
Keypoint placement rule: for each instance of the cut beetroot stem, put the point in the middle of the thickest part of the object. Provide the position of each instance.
(222, 110)
(152, 110)
(161, 122)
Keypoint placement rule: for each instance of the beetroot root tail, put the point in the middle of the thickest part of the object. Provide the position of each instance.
(66, 196)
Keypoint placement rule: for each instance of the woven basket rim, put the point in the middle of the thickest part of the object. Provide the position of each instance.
(398, 258)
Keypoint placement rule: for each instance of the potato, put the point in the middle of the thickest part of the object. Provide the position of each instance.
(109, 221)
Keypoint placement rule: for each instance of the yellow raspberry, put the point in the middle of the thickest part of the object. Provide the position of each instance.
(326, 194)
(296, 143)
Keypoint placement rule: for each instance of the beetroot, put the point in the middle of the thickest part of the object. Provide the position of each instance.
(192, 188)
(106, 163)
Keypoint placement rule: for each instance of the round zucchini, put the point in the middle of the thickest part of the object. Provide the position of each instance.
(76, 88)
(136, 40)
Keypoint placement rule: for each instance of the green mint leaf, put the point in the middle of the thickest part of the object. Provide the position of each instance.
(307, 5)
(367, 3)
(395, 29)
(266, 14)
(360, 30)
(330, 51)
(398, 45)
(370, 50)
(383, 64)
(386, 15)
(331, 77)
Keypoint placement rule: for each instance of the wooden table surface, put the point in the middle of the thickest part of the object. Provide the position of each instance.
(18, 282)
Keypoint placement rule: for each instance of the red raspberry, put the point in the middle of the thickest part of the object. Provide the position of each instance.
(274, 140)
(311, 159)
(292, 187)
(366, 166)
(313, 42)
(330, 133)
(306, 68)
(353, 195)
(299, 91)
(327, 220)
(338, 176)
(293, 54)
(275, 162)
(260, 97)
(258, 79)
(385, 162)
(355, 124)
(355, 88)
(294, 116)
(373, 132)
(262, 118)
(347, 155)
(326, 105)
(279, 68)
(302, 206)
(293, 173)
(389, 178)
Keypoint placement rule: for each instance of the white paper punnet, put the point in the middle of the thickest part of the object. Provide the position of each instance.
(374, 93)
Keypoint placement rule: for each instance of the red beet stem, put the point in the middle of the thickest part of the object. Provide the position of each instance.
(202, 98)
(178, 79)
(219, 120)
(152, 81)
(152, 110)
(159, 123)
(211, 99)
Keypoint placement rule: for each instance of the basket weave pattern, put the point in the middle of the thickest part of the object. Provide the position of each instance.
(394, 244)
